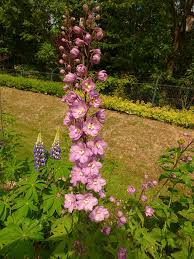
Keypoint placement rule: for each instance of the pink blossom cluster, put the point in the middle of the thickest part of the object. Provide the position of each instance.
(83, 120)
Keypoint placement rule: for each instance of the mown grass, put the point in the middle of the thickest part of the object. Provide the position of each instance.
(134, 143)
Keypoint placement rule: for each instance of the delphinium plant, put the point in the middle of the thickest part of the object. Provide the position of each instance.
(84, 120)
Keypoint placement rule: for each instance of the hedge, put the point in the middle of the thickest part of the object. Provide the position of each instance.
(183, 118)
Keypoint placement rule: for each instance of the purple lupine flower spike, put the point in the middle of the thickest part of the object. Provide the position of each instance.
(39, 153)
(55, 151)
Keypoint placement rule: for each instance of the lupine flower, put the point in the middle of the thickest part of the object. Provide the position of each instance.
(79, 110)
(70, 202)
(70, 78)
(88, 85)
(99, 214)
(81, 70)
(77, 176)
(131, 189)
(97, 146)
(80, 153)
(91, 127)
(39, 153)
(55, 151)
(75, 131)
(102, 75)
(95, 183)
(100, 115)
(149, 211)
(86, 202)
(106, 230)
(88, 38)
(79, 42)
(122, 253)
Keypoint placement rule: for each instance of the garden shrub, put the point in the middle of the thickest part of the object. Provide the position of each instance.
(183, 118)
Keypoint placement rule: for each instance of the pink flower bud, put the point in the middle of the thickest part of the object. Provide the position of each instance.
(119, 213)
(85, 8)
(74, 52)
(144, 198)
(99, 34)
(106, 230)
(63, 40)
(96, 59)
(149, 211)
(112, 199)
(81, 70)
(70, 78)
(64, 56)
(61, 61)
(61, 48)
(62, 28)
(102, 75)
(96, 51)
(69, 67)
(79, 42)
(77, 29)
(131, 189)
(62, 71)
(88, 38)
(77, 60)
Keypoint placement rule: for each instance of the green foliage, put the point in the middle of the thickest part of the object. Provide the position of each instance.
(183, 118)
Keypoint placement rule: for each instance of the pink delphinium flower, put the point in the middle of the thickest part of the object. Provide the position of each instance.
(97, 146)
(122, 253)
(121, 221)
(70, 98)
(95, 59)
(88, 38)
(75, 52)
(77, 176)
(80, 153)
(86, 202)
(106, 230)
(92, 168)
(70, 78)
(75, 131)
(79, 110)
(100, 115)
(112, 199)
(131, 189)
(95, 183)
(77, 29)
(68, 119)
(88, 85)
(95, 100)
(79, 42)
(144, 198)
(149, 211)
(70, 202)
(91, 127)
(99, 214)
(81, 70)
(102, 75)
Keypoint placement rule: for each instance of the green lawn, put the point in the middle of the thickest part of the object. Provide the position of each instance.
(134, 143)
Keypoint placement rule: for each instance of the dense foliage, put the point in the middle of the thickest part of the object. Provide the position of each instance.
(142, 37)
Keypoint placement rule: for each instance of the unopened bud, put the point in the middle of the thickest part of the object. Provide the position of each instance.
(72, 19)
(85, 8)
(69, 67)
(98, 17)
(64, 56)
(97, 8)
(62, 71)
(61, 48)
(62, 28)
